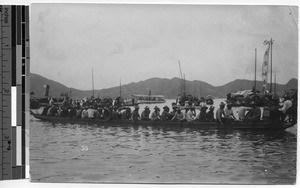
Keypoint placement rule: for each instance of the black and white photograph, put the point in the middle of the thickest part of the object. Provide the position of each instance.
(163, 93)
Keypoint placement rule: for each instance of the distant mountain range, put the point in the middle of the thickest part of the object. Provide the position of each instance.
(170, 88)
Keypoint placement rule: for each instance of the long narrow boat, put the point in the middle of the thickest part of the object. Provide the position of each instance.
(262, 125)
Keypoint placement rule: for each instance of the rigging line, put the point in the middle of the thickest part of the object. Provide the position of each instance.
(292, 13)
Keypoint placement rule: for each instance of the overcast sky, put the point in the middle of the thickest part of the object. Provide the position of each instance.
(214, 44)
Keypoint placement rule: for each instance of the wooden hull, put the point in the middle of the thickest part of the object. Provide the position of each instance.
(263, 125)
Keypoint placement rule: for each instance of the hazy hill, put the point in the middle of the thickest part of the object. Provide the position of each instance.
(170, 88)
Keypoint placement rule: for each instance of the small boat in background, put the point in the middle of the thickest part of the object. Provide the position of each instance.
(41, 101)
(148, 99)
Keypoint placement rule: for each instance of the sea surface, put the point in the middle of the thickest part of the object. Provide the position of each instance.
(91, 153)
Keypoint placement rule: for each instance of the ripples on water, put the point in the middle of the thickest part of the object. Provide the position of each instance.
(148, 155)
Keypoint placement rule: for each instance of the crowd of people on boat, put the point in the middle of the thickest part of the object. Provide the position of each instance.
(189, 99)
(266, 98)
(93, 109)
(187, 113)
(79, 109)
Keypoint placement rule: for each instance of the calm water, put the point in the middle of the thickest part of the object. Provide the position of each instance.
(90, 153)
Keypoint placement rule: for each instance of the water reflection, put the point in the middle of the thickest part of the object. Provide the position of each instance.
(151, 154)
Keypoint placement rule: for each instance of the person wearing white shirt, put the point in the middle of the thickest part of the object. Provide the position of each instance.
(190, 115)
(155, 116)
(287, 104)
(229, 113)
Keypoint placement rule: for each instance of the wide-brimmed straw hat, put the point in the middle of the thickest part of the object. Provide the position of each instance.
(222, 104)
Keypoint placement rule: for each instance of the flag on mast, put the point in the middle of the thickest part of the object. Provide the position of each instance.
(265, 67)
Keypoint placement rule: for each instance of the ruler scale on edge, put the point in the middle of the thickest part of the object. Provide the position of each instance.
(14, 70)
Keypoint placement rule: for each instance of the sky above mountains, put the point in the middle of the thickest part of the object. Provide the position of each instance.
(214, 44)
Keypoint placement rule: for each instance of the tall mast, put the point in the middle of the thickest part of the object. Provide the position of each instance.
(271, 44)
(255, 72)
(183, 84)
(180, 77)
(120, 89)
(275, 83)
(93, 82)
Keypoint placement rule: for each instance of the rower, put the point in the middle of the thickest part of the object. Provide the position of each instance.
(145, 113)
(118, 113)
(202, 114)
(210, 114)
(155, 115)
(220, 114)
(91, 112)
(107, 113)
(165, 114)
(60, 111)
(229, 113)
(52, 111)
(254, 113)
(242, 113)
(51, 102)
(45, 110)
(135, 114)
(84, 113)
(126, 114)
(173, 112)
(72, 110)
(114, 112)
(78, 112)
(286, 108)
(193, 110)
(99, 114)
(294, 99)
(190, 115)
(178, 115)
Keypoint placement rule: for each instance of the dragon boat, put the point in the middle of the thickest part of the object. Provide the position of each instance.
(260, 125)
